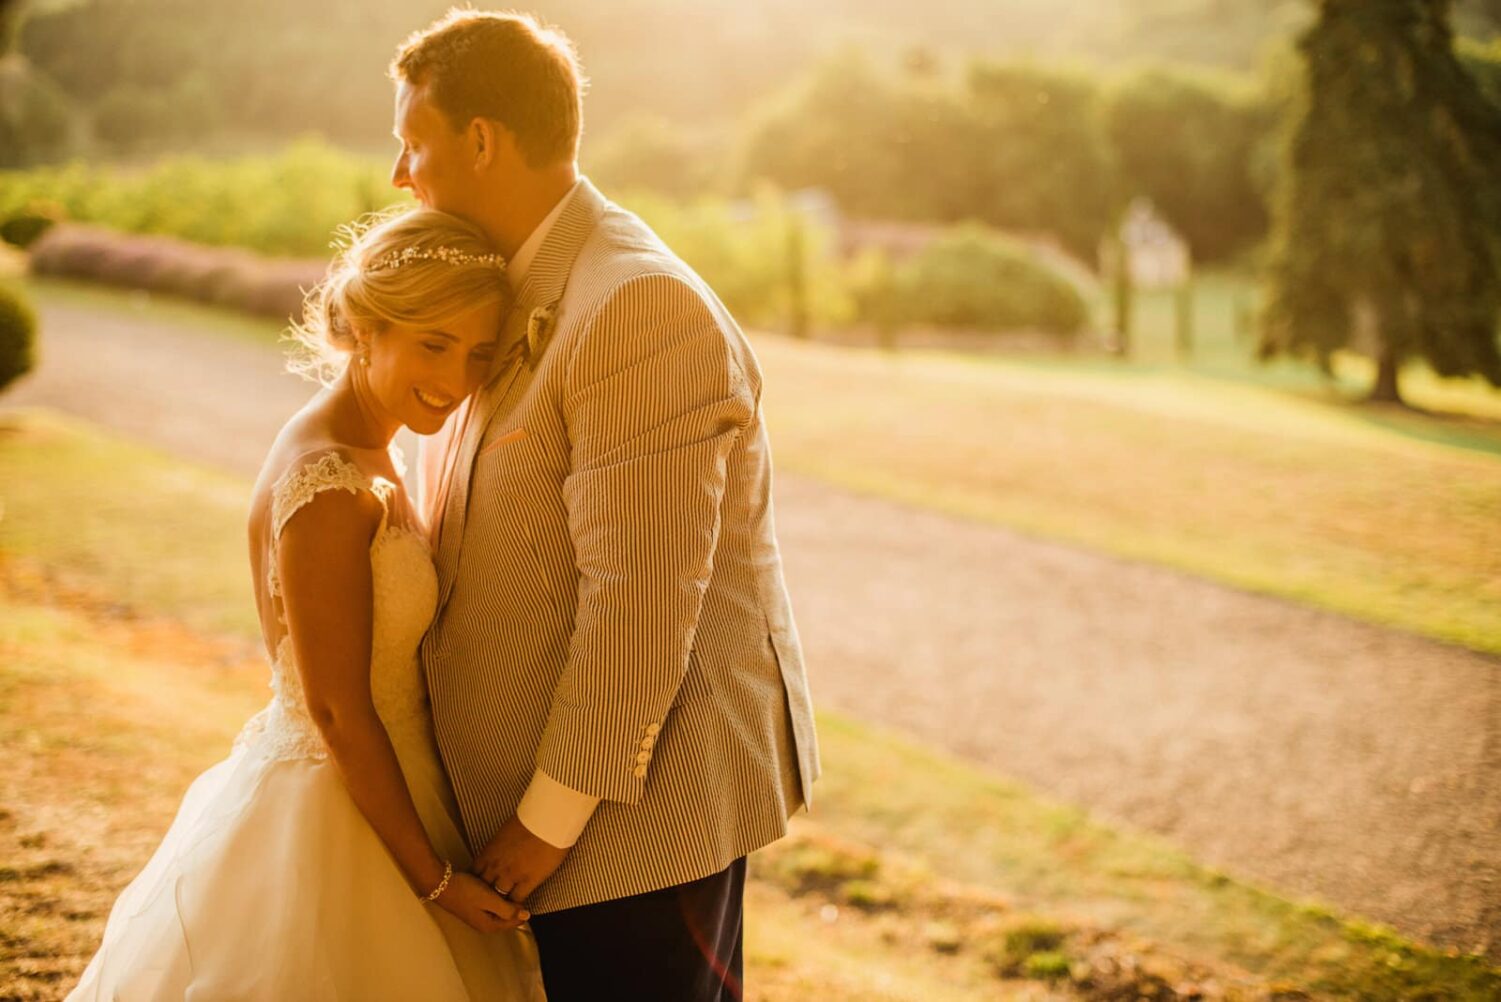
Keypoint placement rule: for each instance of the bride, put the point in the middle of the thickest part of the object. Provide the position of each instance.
(323, 858)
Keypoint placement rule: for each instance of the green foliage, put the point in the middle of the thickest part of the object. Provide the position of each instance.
(17, 336)
(37, 119)
(973, 279)
(280, 68)
(1045, 164)
(822, 867)
(132, 118)
(648, 153)
(169, 72)
(1189, 143)
(1047, 964)
(1390, 203)
(287, 204)
(1028, 942)
(1018, 147)
(882, 149)
(741, 251)
(23, 228)
(1483, 62)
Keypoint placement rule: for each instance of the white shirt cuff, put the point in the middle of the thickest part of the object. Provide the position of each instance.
(555, 813)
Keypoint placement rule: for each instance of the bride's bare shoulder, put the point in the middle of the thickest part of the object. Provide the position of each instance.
(302, 442)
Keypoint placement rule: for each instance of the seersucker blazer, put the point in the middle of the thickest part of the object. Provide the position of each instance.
(612, 606)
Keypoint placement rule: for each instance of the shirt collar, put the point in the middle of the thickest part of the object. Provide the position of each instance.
(521, 261)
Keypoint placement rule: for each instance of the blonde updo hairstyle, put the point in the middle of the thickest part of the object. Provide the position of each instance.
(450, 269)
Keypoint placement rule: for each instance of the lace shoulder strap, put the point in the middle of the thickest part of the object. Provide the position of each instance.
(311, 476)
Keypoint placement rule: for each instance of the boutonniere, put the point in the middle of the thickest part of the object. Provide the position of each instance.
(539, 327)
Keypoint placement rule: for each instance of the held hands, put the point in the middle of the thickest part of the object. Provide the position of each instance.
(476, 904)
(516, 862)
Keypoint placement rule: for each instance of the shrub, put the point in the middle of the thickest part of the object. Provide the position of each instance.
(223, 276)
(1032, 945)
(22, 230)
(68, 250)
(17, 337)
(287, 204)
(1047, 965)
(975, 279)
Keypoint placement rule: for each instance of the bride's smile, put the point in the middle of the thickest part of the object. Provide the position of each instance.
(417, 377)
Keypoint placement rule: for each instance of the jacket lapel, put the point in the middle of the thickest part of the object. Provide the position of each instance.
(541, 290)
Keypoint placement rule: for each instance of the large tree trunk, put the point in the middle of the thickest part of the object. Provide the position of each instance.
(1386, 390)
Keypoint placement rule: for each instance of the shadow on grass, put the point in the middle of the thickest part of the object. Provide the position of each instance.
(1459, 431)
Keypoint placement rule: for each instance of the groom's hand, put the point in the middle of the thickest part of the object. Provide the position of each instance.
(516, 862)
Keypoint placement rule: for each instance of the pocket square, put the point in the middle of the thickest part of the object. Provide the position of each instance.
(514, 435)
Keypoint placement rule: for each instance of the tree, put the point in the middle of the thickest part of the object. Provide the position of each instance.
(1045, 161)
(1390, 199)
(1490, 11)
(647, 152)
(1189, 143)
(37, 121)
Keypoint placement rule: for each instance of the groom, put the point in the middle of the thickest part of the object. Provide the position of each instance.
(616, 679)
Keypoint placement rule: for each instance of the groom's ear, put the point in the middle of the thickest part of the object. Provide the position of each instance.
(491, 143)
(482, 142)
(487, 138)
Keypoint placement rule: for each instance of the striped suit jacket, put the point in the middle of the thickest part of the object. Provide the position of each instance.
(612, 607)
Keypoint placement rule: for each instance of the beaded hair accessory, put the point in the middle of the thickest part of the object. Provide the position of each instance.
(449, 255)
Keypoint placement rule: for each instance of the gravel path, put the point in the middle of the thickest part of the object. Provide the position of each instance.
(1292, 747)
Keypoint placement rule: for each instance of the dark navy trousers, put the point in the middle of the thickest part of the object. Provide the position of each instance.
(679, 944)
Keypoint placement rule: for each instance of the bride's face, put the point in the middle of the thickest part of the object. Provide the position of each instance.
(417, 377)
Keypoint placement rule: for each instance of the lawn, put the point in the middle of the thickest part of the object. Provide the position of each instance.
(127, 662)
(1390, 517)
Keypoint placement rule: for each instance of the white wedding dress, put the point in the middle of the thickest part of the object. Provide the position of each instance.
(270, 885)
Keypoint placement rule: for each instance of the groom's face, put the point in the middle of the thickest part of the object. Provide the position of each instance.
(436, 162)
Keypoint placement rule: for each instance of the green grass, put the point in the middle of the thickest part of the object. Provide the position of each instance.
(122, 516)
(1052, 858)
(1223, 347)
(162, 309)
(1373, 514)
(968, 862)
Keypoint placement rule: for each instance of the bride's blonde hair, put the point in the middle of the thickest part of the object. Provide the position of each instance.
(414, 267)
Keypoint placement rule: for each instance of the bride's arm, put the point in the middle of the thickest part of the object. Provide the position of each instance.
(324, 565)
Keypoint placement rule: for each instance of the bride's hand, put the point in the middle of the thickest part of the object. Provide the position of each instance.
(476, 904)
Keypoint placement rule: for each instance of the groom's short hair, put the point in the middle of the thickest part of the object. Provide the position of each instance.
(502, 65)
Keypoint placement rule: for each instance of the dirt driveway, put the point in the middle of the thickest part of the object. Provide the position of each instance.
(1292, 747)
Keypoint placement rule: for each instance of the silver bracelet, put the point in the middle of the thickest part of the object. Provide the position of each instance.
(442, 884)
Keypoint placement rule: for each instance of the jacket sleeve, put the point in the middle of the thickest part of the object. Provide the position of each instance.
(655, 399)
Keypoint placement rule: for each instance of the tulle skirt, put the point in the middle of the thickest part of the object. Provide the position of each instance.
(270, 885)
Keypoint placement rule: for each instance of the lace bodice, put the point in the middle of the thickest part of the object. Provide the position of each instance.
(405, 597)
